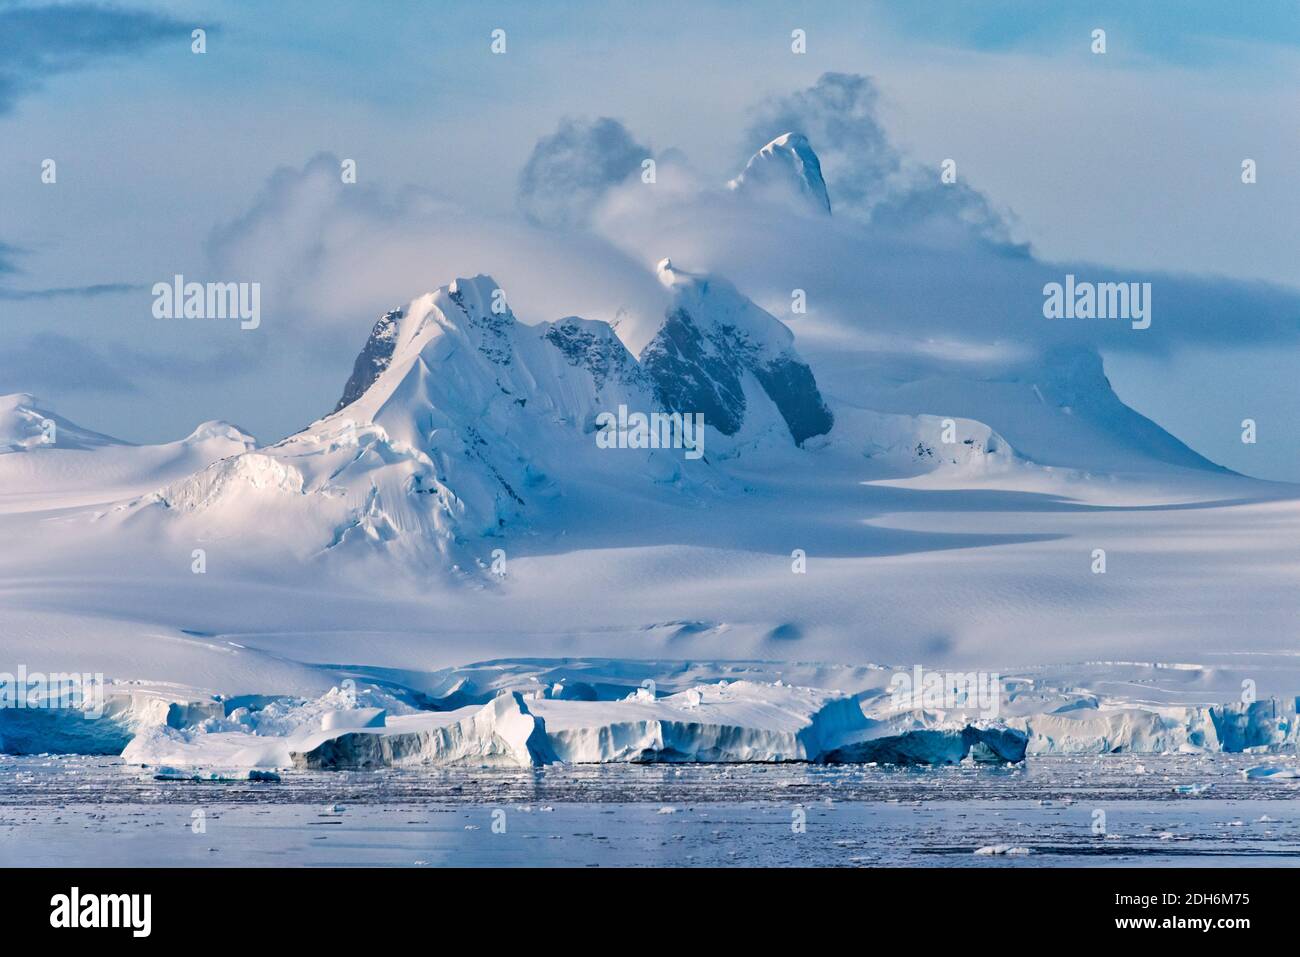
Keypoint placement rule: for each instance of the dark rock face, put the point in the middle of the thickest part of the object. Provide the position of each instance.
(595, 347)
(694, 372)
(791, 386)
(374, 358)
(493, 328)
(690, 374)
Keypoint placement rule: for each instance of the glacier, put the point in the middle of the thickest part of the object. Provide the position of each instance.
(538, 712)
(726, 722)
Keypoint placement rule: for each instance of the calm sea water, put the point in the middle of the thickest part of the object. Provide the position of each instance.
(1106, 810)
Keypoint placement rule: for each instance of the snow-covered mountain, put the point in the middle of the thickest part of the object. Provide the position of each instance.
(1053, 405)
(719, 354)
(459, 420)
(453, 423)
(785, 167)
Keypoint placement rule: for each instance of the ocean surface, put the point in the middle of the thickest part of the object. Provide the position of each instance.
(1110, 810)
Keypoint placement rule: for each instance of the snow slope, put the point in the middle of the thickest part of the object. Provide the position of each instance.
(1057, 408)
(80, 467)
(24, 425)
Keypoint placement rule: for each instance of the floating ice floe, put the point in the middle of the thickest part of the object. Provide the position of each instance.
(1270, 772)
(1000, 850)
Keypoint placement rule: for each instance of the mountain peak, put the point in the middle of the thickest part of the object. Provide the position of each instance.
(675, 276)
(712, 339)
(15, 399)
(787, 163)
(221, 429)
(479, 295)
(478, 300)
(25, 424)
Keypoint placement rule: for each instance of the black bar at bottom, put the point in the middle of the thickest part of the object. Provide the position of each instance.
(336, 906)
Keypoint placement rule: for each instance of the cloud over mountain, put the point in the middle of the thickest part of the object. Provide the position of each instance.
(906, 270)
(868, 175)
(570, 170)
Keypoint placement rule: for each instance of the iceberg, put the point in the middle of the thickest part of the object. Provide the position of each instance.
(982, 743)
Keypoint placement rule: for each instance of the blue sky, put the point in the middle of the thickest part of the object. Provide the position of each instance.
(1129, 161)
(1189, 32)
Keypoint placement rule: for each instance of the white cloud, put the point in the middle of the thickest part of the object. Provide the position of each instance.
(332, 256)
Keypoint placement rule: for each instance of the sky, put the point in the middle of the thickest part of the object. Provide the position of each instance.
(223, 166)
